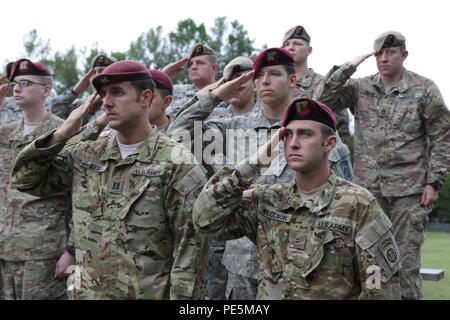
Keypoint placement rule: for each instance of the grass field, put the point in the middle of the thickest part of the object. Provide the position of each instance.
(436, 255)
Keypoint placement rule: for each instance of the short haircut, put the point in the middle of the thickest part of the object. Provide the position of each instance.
(212, 58)
(326, 132)
(164, 92)
(141, 85)
(47, 80)
(290, 69)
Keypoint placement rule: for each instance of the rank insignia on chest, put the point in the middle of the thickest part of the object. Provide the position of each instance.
(297, 240)
(116, 186)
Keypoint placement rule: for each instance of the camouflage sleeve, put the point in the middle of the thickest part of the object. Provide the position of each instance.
(61, 105)
(340, 160)
(43, 171)
(188, 273)
(196, 109)
(220, 211)
(89, 132)
(437, 126)
(338, 91)
(378, 258)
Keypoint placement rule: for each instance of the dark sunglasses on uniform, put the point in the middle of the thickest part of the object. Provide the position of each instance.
(24, 83)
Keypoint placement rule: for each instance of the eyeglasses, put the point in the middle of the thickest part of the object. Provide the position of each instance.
(24, 83)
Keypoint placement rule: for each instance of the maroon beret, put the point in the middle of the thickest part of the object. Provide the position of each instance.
(26, 67)
(272, 57)
(162, 80)
(126, 70)
(308, 109)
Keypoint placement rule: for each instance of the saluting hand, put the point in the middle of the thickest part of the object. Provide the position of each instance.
(359, 59)
(229, 89)
(174, 68)
(84, 82)
(3, 93)
(268, 151)
(73, 123)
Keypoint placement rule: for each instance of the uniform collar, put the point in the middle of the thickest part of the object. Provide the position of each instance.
(262, 122)
(306, 80)
(16, 134)
(144, 153)
(400, 86)
(318, 204)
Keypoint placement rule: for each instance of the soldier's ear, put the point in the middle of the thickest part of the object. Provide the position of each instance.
(146, 97)
(404, 54)
(330, 143)
(167, 101)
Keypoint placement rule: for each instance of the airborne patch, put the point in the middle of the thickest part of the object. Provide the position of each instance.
(332, 226)
(276, 215)
(389, 250)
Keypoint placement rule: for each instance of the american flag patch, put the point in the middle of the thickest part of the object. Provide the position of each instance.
(247, 193)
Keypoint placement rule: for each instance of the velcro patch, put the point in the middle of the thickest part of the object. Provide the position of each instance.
(92, 166)
(276, 215)
(147, 172)
(389, 250)
(333, 226)
(297, 240)
(248, 193)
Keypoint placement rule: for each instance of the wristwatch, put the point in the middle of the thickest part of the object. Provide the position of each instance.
(436, 185)
(70, 250)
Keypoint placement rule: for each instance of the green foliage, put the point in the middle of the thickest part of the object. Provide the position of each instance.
(442, 208)
(153, 48)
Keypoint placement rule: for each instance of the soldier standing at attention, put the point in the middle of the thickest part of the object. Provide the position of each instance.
(298, 42)
(132, 195)
(402, 144)
(318, 236)
(34, 230)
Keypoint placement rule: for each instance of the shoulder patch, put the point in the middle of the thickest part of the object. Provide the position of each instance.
(73, 141)
(248, 193)
(346, 84)
(105, 133)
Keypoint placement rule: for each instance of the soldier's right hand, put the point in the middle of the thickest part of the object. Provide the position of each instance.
(268, 151)
(84, 83)
(229, 89)
(359, 59)
(174, 68)
(72, 124)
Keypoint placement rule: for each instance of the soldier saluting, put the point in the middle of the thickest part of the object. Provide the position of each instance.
(318, 236)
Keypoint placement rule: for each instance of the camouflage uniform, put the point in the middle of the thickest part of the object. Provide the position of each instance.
(323, 248)
(256, 125)
(307, 87)
(402, 143)
(227, 112)
(61, 106)
(11, 112)
(133, 231)
(220, 283)
(182, 94)
(33, 230)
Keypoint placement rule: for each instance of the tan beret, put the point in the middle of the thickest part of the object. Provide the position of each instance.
(296, 32)
(199, 50)
(389, 39)
(102, 61)
(236, 66)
